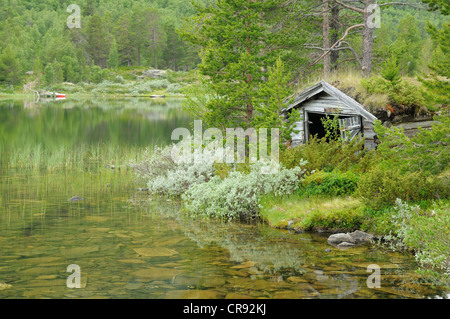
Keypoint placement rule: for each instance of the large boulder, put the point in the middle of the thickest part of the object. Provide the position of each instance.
(350, 239)
(336, 239)
(361, 237)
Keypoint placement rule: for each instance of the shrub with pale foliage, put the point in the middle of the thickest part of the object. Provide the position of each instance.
(238, 195)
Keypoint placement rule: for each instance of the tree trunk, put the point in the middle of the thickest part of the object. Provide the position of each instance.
(334, 26)
(139, 56)
(326, 39)
(367, 50)
(154, 48)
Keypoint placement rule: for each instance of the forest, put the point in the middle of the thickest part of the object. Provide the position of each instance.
(46, 38)
(35, 37)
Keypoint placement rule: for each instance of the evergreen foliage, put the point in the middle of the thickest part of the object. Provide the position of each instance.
(240, 40)
(437, 82)
(142, 33)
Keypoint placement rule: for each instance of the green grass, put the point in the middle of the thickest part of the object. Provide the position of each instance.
(352, 83)
(313, 213)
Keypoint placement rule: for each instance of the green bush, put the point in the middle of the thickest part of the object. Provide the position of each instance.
(427, 233)
(325, 155)
(337, 220)
(426, 152)
(174, 88)
(224, 169)
(335, 183)
(405, 96)
(380, 187)
(408, 95)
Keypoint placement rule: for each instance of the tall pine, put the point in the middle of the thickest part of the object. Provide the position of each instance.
(10, 69)
(438, 81)
(113, 58)
(124, 39)
(97, 41)
(239, 40)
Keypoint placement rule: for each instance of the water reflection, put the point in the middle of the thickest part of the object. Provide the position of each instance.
(137, 121)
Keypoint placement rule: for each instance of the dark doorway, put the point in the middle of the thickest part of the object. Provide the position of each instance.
(315, 124)
(316, 127)
(346, 128)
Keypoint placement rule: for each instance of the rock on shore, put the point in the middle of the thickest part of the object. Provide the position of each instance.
(345, 240)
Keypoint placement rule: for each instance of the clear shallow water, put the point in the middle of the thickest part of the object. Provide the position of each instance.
(128, 246)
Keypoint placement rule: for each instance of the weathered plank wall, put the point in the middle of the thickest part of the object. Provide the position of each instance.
(369, 134)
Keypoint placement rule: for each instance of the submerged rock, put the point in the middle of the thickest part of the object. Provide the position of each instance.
(75, 199)
(345, 245)
(4, 286)
(156, 273)
(155, 252)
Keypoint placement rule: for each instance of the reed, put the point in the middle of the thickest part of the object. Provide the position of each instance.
(86, 157)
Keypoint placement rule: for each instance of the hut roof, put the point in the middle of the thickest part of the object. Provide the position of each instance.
(323, 86)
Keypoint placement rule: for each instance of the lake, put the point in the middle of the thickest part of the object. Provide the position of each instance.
(124, 244)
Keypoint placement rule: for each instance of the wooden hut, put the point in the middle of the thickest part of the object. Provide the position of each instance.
(323, 99)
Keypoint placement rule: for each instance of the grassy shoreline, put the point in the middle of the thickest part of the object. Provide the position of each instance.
(419, 229)
(120, 83)
(81, 94)
(330, 214)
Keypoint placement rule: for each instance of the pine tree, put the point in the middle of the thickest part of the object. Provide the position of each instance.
(239, 41)
(49, 74)
(271, 99)
(441, 5)
(113, 58)
(71, 69)
(408, 45)
(10, 69)
(437, 82)
(174, 49)
(391, 70)
(124, 40)
(97, 41)
(37, 67)
(139, 31)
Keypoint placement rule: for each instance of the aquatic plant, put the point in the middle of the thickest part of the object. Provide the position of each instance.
(90, 157)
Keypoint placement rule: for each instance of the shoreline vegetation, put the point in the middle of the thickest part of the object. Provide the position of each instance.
(122, 82)
(399, 192)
